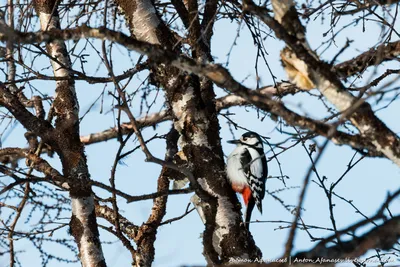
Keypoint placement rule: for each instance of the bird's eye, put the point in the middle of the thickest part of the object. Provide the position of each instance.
(244, 138)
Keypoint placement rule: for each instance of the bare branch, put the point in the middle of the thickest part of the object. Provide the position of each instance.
(126, 226)
(372, 57)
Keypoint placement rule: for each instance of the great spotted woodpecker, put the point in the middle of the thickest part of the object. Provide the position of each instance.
(247, 171)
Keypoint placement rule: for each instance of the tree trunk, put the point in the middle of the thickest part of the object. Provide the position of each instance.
(68, 145)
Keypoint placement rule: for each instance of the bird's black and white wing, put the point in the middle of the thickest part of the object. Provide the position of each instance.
(256, 177)
(245, 161)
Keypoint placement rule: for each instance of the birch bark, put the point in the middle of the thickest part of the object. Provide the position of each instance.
(192, 101)
(69, 147)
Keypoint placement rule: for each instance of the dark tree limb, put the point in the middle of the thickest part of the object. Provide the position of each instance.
(372, 57)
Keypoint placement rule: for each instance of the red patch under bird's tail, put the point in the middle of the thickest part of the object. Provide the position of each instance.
(246, 193)
(249, 201)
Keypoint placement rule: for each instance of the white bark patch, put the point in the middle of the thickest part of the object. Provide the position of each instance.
(280, 8)
(138, 259)
(228, 100)
(200, 139)
(198, 204)
(181, 140)
(179, 184)
(341, 99)
(172, 82)
(225, 216)
(179, 108)
(90, 254)
(145, 22)
(387, 151)
(364, 128)
(48, 22)
(180, 105)
(185, 114)
(60, 66)
(62, 63)
(65, 185)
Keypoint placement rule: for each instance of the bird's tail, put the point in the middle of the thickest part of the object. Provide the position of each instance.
(249, 209)
(259, 204)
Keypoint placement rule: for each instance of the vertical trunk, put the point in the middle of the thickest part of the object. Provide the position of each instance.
(11, 70)
(69, 147)
(195, 118)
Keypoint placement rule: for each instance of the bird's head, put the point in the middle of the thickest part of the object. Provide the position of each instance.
(250, 139)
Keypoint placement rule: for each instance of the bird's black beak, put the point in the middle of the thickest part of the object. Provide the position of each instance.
(233, 141)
